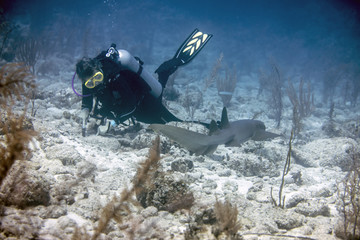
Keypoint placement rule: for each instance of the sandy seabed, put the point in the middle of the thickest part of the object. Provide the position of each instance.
(82, 174)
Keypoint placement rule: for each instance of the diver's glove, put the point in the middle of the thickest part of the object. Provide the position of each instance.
(103, 129)
(113, 124)
(84, 115)
(166, 69)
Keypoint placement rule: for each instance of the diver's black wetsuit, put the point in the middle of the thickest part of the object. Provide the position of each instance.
(123, 95)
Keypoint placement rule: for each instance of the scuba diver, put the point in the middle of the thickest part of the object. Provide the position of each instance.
(116, 87)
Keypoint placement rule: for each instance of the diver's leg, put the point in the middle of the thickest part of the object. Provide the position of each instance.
(166, 69)
(186, 52)
(153, 111)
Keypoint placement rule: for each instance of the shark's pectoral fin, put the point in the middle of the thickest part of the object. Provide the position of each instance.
(205, 150)
(261, 135)
(236, 141)
(213, 127)
(232, 143)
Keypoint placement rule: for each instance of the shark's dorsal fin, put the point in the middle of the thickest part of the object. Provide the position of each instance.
(224, 119)
(213, 127)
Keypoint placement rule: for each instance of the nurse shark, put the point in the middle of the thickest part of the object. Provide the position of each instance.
(228, 133)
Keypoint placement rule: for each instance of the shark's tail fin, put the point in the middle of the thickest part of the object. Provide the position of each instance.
(193, 141)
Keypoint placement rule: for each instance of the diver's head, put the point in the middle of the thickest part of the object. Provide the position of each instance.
(89, 72)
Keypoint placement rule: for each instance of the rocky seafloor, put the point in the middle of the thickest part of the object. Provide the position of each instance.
(69, 178)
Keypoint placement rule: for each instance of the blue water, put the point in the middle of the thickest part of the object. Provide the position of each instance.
(304, 38)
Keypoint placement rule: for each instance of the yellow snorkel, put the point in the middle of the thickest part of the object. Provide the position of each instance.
(95, 80)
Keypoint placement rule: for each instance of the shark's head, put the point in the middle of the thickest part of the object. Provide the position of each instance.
(260, 134)
(259, 125)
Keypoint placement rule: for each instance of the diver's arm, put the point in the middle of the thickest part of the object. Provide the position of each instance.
(87, 102)
(85, 109)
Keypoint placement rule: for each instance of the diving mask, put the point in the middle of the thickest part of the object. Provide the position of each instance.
(95, 80)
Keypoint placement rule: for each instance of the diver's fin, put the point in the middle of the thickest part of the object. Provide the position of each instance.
(187, 51)
(191, 46)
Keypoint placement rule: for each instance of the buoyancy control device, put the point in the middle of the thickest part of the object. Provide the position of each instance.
(131, 63)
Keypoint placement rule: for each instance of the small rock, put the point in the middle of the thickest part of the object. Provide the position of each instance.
(85, 169)
(182, 165)
(67, 114)
(231, 186)
(65, 222)
(257, 186)
(24, 187)
(116, 235)
(195, 176)
(289, 220)
(210, 184)
(21, 226)
(225, 173)
(253, 165)
(199, 159)
(294, 200)
(103, 142)
(302, 158)
(149, 212)
(331, 153)
(53, 211)
(166, 215)
(323, 192)
(251, 196)
(65, 153)
(313, 209)
(125, 142)
(54, 112)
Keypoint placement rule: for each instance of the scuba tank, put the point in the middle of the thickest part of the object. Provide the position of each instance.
(129, 62)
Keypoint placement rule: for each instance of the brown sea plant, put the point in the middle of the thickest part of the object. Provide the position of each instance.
(272, 82)
(332, 78)
(281, 201)
(226, 86)
(221, 219)
(28, 52)
(214, 72)
(119, 206)
(227, 223)
(170, 92)
(192, 101)
(302, 101)
(349, 200)
(6, 27)
(15, 132)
